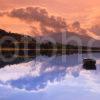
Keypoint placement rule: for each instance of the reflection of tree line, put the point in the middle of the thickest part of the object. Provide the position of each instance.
(44, 48)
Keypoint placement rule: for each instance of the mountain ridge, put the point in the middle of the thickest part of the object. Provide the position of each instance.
(61, 38)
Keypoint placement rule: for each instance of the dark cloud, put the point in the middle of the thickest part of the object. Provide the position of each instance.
(47, 23)
(76, 26)
(95, 29)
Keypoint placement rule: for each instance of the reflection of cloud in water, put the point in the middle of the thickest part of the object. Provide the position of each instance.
(40, 74)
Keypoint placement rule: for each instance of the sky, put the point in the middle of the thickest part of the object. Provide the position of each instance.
(39, 17)
(45, 16)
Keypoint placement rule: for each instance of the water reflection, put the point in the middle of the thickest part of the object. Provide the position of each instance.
(43, 72)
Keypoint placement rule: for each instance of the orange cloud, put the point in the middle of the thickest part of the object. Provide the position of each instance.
(30, 15)
(86, 12)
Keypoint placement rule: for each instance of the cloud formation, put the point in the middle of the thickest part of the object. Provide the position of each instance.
(40, 19)
(76, 27)
(96, 29)
(40, 22)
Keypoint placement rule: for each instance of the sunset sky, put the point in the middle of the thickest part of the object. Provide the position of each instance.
(55, 72)
(18, 15)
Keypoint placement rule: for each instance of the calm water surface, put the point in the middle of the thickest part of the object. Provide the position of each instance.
(58, 78)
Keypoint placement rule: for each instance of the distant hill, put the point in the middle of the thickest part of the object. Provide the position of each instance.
(57, 37)
(16, 36)
(83, 38)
